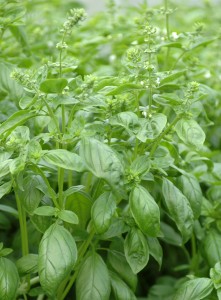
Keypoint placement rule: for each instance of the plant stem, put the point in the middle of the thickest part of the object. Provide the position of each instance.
(82, 252)
(23, 228)
(162, 135)
(167, 19)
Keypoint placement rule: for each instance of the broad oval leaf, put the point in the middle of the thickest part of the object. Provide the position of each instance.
(120, 289)
(179, 208)
(191, 189)
(57, 256)
(68, 216)
(45, 211)
(212, 247)
(9, 279)
(124, 88)
(136, 250)
(194, 289)
(64, 159)
(102, 211)
(93, 281)
(145, 211)
(190, 132)
(128, 120)
(27, 264)
(55, 85)
(102, 161)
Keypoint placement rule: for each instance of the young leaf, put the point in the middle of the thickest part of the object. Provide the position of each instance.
(102, 161)
(9, 210)
(93, 281)
(136, 250)
(27, 264)
(102, 211)
(179, 208)
(57, 256)
(171, 76)
(127, 87)
(190, 132)
(212, 247)
(9, 279)
(64, 159)
(191, 189)
(53, 85)
(194, 289)
(120, 290)
(45, 211)
(5, 188)
(68, 216)
(145, 211)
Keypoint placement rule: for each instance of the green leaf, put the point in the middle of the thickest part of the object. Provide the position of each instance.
(155, 249)
(171, 76)
(120, 290)
(102, 161)
(145, 211)
(116, 228)
(102, 211)
(15, 120)
(93, 281)
(128, 120)
(68, 216)
(80, 203)
(170, 236)
(6, 251)
(190, 132)
(9, 279)
(194, 289)
(119, 264)
(53, 85)
(4, 167)
(31, 196)
(152, 127)
(9, 210)
(45, 211)
(27, 264)
(57, 257)
(179, 208)
(64, 159)
(140, 165)
(5, 188)
(215, 275)
(212, 247)
(136, 250)
(190, 187)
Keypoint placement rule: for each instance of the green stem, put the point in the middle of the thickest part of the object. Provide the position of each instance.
(23, 228)
(167, 19)
(81, 253)
(162, 135)
(52, 115)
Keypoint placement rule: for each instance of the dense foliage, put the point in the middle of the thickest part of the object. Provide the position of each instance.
(110, 167)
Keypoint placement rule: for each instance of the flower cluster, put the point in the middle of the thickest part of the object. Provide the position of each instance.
(76, 16)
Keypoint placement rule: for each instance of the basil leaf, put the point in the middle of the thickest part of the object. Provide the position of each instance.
(55, 85)
(179, 208)
(64, 159)
(212, 247)
(93, 281)
(194, 289)
(136, 250)
(9, 279)
(102, 211)
(145, 211)
(191, 189)
(57, 256)
(190, 132)
(120, 290)
(102, 161)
